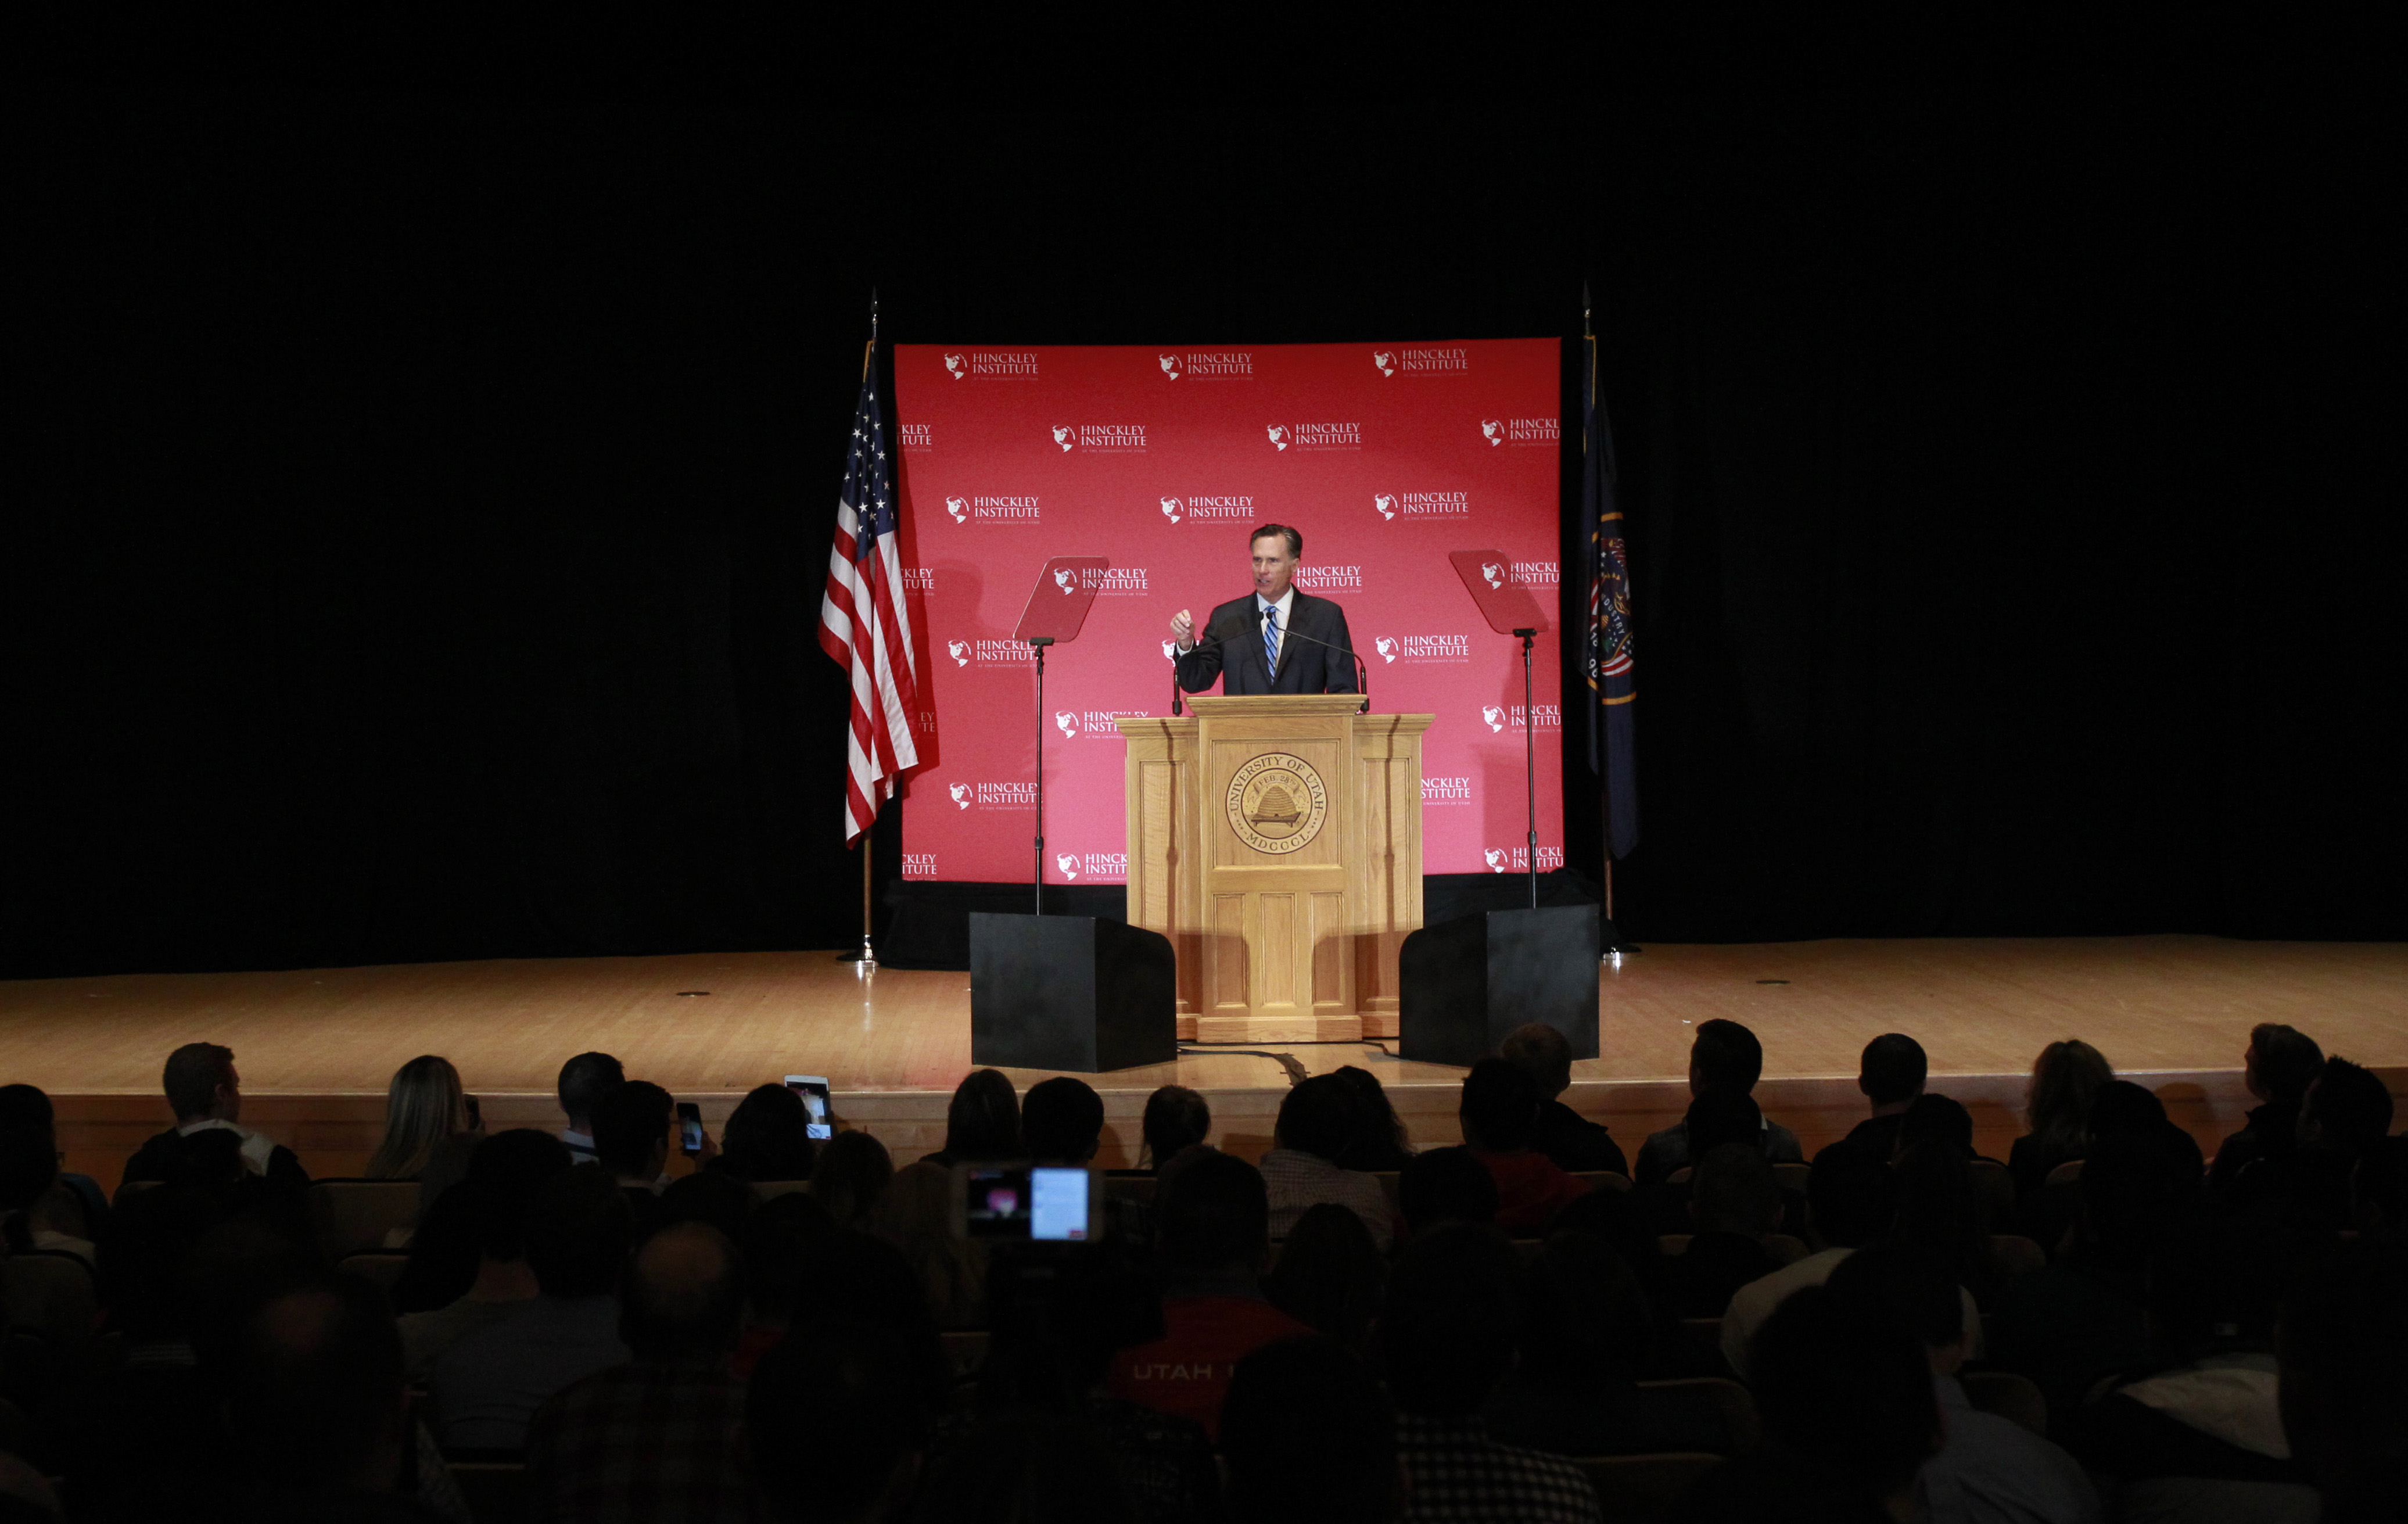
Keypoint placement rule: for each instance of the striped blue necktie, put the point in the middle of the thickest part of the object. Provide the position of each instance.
(1270, 641)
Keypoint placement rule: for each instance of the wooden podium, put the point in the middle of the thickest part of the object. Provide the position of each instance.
(1277, 842)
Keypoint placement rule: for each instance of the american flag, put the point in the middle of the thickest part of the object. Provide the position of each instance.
(865, 625)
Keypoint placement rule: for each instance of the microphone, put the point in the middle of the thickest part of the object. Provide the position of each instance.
(1363, 679)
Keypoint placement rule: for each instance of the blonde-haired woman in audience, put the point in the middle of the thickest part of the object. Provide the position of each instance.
(424, 1111)
(2057, 1107)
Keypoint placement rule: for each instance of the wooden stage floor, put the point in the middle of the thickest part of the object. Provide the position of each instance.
(315, 1046)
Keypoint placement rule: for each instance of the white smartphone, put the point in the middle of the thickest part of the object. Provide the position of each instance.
(818, 1106)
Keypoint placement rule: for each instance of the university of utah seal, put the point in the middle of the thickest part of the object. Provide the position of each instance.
(1277, 802)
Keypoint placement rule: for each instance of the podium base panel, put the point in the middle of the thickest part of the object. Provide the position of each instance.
(1465, 984)
(1070, 992)
(1274, 1028)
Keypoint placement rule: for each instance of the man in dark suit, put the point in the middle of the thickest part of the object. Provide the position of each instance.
(1246, 643)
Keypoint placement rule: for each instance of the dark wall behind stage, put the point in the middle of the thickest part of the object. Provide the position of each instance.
(417, 506)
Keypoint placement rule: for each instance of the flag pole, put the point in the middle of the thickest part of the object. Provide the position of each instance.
(1588, 357)
(868, 957)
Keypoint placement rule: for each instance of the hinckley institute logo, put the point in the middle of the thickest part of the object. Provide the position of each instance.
(918, 864)
(990, 653)
(992, 365)
(921, 579)
(1504, 574)
(985, 508)
(1102, 867)
(987, 796)
(1209, 507)
(920, 438)
(1314, 435)
(1423, 649)
(1517, 860)
(1503, 717)
(1505, 431)
(1074, 723)
(1391, 506)
(1323, 578)
(1116, 438)
(1446, 791)
(1422, 360)
(1206, 363)
(1118, 582)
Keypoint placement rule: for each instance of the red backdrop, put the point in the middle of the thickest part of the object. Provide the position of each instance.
(1161, 460)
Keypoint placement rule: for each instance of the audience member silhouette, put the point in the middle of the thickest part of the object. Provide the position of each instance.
(1308, 1437)
(1990, 1467)
(780, 1240)
(1059, 1313)
(982, 1121)
(584, 1080)
(767, 1138)
(1500, 1112)
(1062, 1122)
(1852, 1200)
(76, 1206)
(1564, 1135)
(706, 1196)
(1722, 1056)
(1890, 1073)
(428, 1133)
(1213, 1238)
(2346, 1111)
(2082, 1317)
(467, 1261)
(632, 1125)
(2344, 1357)
(2196, 1432)
(1849, 1419)
(1176, 1119)
(1445, 1185)
(1381, 1143)
(684, 1309)
(1935, 1119)
(1317, 1118)
(1734, 1206)
(487, 1386)
(318, 1411)
(852, 1178)
(205, 1094)
(1939, 1209)
(1447, 1344)
(838, 1419)
(2277, 1066)
(1330, 1276)
(2057, 1106)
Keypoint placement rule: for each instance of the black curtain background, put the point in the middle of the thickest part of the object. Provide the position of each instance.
(417, 497)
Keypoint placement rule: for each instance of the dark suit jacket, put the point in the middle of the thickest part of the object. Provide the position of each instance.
(1237, 660)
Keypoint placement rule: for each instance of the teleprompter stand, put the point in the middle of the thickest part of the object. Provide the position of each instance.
(1464, 985)
(1070, 992)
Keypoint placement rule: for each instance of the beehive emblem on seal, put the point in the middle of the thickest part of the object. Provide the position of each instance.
(1277, 802)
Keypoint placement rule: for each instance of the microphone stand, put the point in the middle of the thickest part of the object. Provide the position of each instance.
(1039, 643)
(1529, 765)
(1177, 693)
